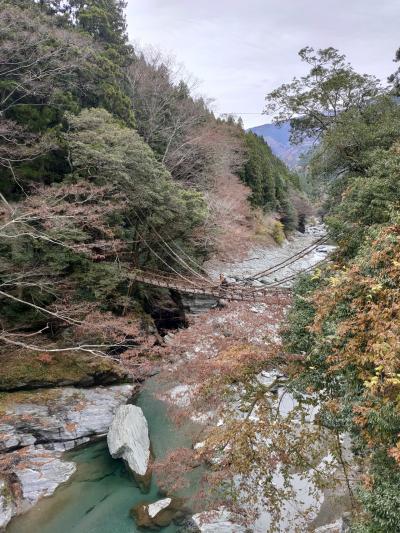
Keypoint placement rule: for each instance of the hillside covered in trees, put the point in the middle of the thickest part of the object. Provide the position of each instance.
(112, 165)
(109, 163)
(345, 319)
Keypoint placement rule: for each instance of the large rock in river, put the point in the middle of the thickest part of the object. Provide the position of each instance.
(36, 427)
(160, 513)
(128, 439)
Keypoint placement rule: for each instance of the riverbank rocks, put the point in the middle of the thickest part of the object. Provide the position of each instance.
(40, 472)
(59, 418)
(6, 504)
(216, 522)
(195, 304)
(128, 439)
(158, 514)
(342, 525)
(33, 473)
(36, 427)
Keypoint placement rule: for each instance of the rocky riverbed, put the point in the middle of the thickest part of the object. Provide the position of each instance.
(259, 259)
(36, 427)
(257, 325)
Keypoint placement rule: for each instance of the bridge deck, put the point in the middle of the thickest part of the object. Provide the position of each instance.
(189, 286)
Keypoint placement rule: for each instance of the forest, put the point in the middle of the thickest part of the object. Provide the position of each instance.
(111, 164)
(345, 317)
(105, 155)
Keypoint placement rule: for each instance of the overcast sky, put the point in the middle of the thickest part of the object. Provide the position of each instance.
(241, 49)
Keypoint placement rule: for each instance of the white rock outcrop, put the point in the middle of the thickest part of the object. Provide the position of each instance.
(128, 438)
(216, 522)
(69, 417)
(154, 508)
(40, 473)
(38, 427)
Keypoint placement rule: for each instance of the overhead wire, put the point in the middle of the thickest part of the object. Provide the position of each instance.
(167, 264)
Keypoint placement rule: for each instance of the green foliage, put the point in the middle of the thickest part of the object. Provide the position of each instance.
(107, 153)
(348, 145)
(394, 78)
(67, 71)
(367, 200)
(260, 172)
(381, 501)
(344, 321)
(278, 233)
(298, 338)
(270, 180)
(315, 101)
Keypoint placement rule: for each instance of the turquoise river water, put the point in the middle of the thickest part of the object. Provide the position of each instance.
(98, 497)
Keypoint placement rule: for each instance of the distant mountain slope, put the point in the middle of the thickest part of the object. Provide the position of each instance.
(278, 139)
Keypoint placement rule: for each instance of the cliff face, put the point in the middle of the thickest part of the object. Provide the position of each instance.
(51, 402)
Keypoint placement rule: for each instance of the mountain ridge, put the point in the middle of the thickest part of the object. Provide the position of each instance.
(278, 138)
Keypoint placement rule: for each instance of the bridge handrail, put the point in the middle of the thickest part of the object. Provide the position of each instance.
(230, 292)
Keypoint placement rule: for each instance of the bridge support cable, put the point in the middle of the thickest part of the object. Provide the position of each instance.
(278, 283)
(191, 260)
(171, 251)
(168, 265)
(289, 260)
(286, 262)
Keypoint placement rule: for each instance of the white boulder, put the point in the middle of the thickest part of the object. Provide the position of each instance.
(154, 508)
(128, 438)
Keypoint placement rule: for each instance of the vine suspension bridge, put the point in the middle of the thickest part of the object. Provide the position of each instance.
(195, 282)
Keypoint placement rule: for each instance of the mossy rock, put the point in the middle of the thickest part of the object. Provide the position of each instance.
(28, 370)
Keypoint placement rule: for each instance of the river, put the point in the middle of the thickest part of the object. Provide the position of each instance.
(98, 497)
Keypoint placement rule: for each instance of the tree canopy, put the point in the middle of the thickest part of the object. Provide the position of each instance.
(344, 321)
(316, 101)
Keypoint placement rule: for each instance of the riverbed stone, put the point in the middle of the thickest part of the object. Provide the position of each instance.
(128, 439)
(156, 507)
(195, 304)
(218, 521)
(58, 417)
(159, 514)
(30, 473)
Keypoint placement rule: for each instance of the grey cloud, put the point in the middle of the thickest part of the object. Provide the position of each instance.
(241, 49)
